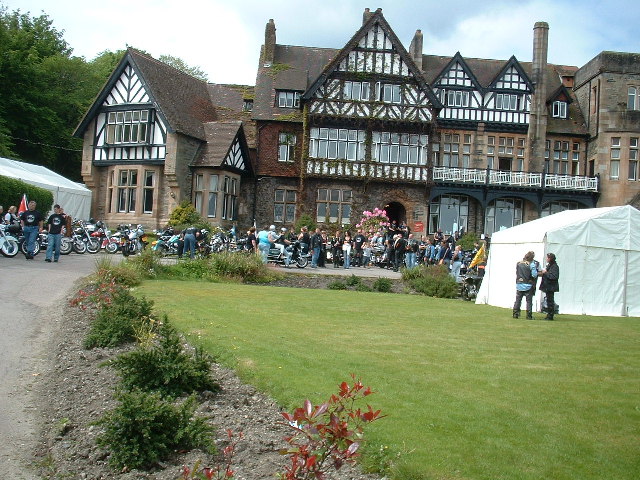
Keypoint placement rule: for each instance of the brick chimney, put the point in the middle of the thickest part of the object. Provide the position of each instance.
(538, 116)
(415, 49)
(268, 52)
(368, 14)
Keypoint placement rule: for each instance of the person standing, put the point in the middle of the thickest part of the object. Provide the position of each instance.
(252, 241)
(316, 245)
(412, 251)
(456, 262)
(322, 259)
(358, 242)
(549, 284)
(31, 221)
(264, 244)
(399, 249)
(336, 248)
(190, 242)
(55, 222)
(346, 249)
(526, 276)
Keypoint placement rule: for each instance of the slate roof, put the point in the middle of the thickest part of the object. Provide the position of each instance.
(183, 100)
(219, 137)
(229, 104)
(294, 68)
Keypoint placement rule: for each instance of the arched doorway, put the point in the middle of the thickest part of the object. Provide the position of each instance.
(396, 211)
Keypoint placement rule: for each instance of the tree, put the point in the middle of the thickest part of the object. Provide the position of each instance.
(180, 64)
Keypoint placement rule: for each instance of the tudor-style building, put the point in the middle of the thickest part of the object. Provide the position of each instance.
(441, 142)
(156, 136)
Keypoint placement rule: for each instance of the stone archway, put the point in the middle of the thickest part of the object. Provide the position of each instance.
(396, 211)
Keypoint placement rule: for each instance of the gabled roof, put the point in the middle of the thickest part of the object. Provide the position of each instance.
(220, 137)
(374, 18)
(229, 104)
(512, 62)
(457, 58)
(182, 100)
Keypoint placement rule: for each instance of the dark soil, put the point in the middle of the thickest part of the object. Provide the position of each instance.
(78, 390)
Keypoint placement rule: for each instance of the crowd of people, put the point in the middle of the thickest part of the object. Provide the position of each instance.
(32, 222)
(393, 247)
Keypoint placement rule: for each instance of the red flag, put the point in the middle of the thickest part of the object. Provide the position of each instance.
(23, 204)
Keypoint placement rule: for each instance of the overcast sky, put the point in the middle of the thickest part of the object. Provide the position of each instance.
(223, 38)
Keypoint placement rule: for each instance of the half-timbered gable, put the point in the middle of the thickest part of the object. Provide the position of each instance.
(508, 97)
(459, 91)
(372, 77)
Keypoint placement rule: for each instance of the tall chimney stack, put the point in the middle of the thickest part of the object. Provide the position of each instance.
(269, 49)
(366, 15)
(415, 49)
(538, 116)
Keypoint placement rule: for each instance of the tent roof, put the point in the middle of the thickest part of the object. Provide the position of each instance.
(39, 176)
(607, 227)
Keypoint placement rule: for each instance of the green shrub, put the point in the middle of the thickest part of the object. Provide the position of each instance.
(248, 268)
(122, 273)
(165, 367)
(382, 285)
(353, 281)
(433, 281)
(337, 285)
(117, 323)
(145, 429)
(361, 287)
(147, 264)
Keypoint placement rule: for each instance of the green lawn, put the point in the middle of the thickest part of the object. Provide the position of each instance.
(470, 392)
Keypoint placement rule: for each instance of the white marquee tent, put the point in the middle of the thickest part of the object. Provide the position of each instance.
(73, 197)
(597, 250)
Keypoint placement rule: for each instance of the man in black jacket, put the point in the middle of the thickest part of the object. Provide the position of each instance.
(549, 284)
(399, 248)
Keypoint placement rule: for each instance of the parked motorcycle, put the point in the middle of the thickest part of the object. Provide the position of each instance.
(168, 243)
(107, 241)
(92, 244)
(298, 257)
(132, 240)
(9, 246)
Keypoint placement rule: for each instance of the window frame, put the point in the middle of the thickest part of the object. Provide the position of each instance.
(559, 109)
(288, 99)
(123, 123)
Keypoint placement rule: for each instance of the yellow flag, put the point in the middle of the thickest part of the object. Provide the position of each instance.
(478, 258)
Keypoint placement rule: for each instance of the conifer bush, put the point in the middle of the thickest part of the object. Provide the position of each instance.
(165, 366)
(117, 322)
(145, 429)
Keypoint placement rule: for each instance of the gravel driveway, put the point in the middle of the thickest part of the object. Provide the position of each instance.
(33, 296)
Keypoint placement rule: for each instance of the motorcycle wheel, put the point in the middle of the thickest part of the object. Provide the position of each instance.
(66, 245)
(302, 261)
(126, 250)
(36, 249)
(93, 245)
(9, 248)
(111, 247)
(79, 246)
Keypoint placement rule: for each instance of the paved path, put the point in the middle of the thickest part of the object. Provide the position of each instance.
(32, 299)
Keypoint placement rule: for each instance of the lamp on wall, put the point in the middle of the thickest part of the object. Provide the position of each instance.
(172, 194)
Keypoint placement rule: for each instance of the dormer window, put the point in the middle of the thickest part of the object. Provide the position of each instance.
(247, 105)
(288, 99)
(127, 127)
(559, 109)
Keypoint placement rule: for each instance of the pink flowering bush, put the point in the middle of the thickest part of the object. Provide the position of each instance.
(372, 221)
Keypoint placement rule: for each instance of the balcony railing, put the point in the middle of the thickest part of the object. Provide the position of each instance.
(419, 173)
(515, 179)
(379, 171)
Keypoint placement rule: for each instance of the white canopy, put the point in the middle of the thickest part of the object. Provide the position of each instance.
(73, 197)
(595, 248)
